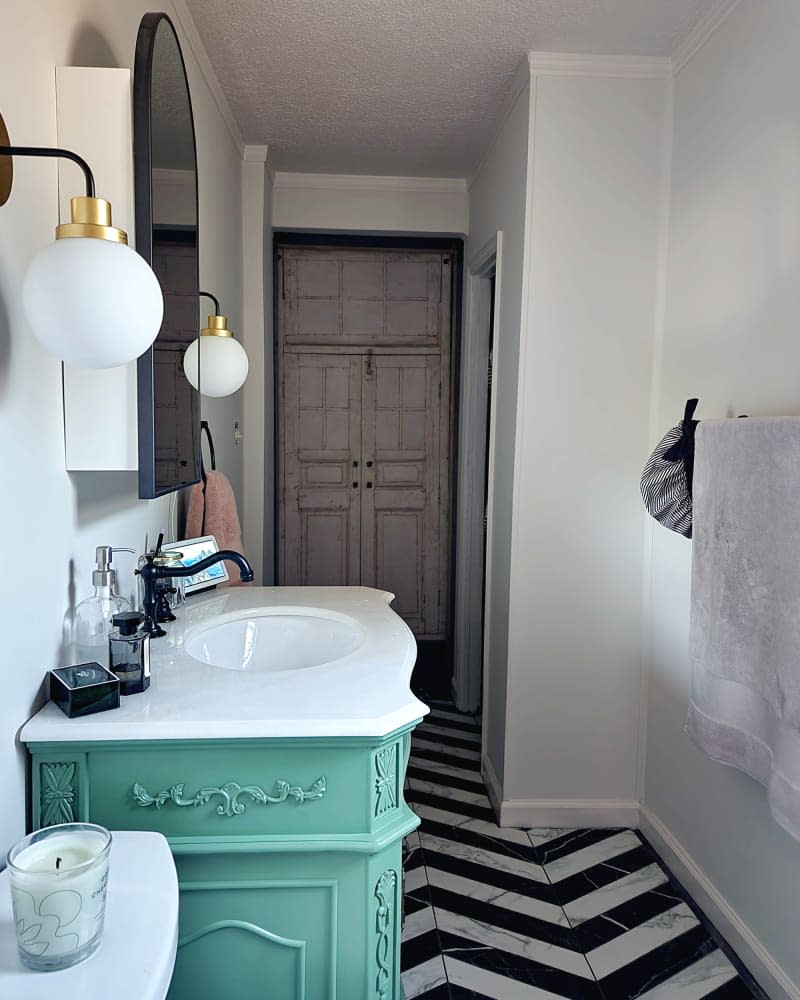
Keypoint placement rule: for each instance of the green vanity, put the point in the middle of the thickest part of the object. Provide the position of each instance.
(271, 751)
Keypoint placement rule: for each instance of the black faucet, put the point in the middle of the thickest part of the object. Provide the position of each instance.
(151, 572)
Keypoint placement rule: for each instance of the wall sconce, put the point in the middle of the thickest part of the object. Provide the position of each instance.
(89, 298)
(223, 363)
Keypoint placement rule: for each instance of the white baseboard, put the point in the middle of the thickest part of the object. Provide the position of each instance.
(766, 971)
(569, 813)
(492, 785)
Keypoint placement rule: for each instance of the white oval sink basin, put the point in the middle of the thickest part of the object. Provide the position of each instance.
(273, 639)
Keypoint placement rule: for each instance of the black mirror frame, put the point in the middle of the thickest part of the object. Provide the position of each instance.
(143, 199)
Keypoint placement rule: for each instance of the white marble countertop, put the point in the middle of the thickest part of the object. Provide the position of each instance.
(365, 693)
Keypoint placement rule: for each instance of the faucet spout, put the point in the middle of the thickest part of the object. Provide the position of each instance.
(151, 572)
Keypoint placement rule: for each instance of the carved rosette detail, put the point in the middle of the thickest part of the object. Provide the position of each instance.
(385, 891)
(385, 779)
(230, 793)
(57, 793)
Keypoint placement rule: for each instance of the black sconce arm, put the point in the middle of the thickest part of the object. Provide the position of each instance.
(215, 300)
(52, 151)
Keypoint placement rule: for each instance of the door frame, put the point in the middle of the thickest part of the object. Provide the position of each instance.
(353, 241)
(473, 603)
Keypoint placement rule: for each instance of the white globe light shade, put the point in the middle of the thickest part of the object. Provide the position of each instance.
(223, 365)
(93, 303)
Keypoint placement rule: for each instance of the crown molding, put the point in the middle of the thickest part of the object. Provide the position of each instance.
(192, 36)
(255, 154)
(519, 81)
(357, 182)
(577, 64)
(700, 33)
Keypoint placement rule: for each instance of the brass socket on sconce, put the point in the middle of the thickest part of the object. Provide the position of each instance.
(217, 327)
(90, 217)
(6, 166)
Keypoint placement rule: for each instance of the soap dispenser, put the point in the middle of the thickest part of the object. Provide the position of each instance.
(129, 647)
(93, 616)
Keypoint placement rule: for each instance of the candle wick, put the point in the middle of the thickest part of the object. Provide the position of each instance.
(58, 863)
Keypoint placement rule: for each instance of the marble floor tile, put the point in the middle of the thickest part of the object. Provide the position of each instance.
(448, 792)
(564, 959)
(429, 743)
(593, 904)
(542, 834)
(695, 982)
(517, 902)
(491, 860)
(423, 977)
(635, 943)
(419, 923)
(605, 850)
(491, 984)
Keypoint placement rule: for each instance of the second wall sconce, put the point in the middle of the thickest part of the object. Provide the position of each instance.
(89, 298)
(221, 361)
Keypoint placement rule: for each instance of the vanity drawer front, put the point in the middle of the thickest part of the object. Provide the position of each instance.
(208, 790)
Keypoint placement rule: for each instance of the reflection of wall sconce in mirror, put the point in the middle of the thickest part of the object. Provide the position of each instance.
(89, 298)
(221, 360)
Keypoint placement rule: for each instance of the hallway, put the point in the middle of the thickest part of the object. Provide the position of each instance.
(528, 915)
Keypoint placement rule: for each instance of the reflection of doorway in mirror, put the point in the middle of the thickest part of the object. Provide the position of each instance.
(173, 394)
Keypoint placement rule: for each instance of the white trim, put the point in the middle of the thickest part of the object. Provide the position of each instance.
(569, 814)
(189, 29)
(472, 447)
(357, 182)
(255, 154)
(493, 788)
(528, 265)
(700, 33)
(519, 81)
(765, 969)
(621, 67)
(489, 550)
(648, 532)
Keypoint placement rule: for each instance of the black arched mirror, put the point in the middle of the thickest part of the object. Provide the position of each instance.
(165, 180)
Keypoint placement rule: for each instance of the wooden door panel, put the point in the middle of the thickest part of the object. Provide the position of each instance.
(321, 509)
(367, 297)
(400, 524)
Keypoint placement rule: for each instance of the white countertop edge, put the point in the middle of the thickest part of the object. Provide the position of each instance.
(50, 730)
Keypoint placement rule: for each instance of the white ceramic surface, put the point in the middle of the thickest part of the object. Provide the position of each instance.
(137, 955)
(281, 638)
(363, 693)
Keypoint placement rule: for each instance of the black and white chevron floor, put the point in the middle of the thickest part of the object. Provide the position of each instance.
(530, 915)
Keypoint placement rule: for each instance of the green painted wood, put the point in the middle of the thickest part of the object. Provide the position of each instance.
(288, 853)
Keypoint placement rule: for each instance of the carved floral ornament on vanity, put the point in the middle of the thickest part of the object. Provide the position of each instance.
(229, 793)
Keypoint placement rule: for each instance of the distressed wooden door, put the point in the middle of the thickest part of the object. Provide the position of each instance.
(321, 508)
(364, 418)
(400, 505)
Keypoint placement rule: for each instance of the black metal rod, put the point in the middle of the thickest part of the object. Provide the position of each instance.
(215, 300)
(52, 151)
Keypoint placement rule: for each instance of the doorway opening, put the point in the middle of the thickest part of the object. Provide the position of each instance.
(366, 361)
(480, 352)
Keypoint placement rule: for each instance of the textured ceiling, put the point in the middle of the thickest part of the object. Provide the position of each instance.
(403, 87)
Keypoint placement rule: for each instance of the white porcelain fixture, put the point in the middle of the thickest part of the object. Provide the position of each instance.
(291, 638)
(137, 954)
(361, 687)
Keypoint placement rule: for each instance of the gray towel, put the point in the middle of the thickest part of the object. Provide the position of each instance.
(745, 620)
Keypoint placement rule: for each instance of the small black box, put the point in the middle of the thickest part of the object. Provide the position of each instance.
(84, 689)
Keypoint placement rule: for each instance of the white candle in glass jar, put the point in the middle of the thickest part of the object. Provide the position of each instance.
(59, 878)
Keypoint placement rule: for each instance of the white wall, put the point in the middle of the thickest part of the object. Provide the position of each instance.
(53, 521)
(258, 391)
(370, 204)
(731, 338)
(498, 199)
(574, 655)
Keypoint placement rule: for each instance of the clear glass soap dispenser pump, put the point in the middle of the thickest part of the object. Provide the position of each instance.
(93, 616)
